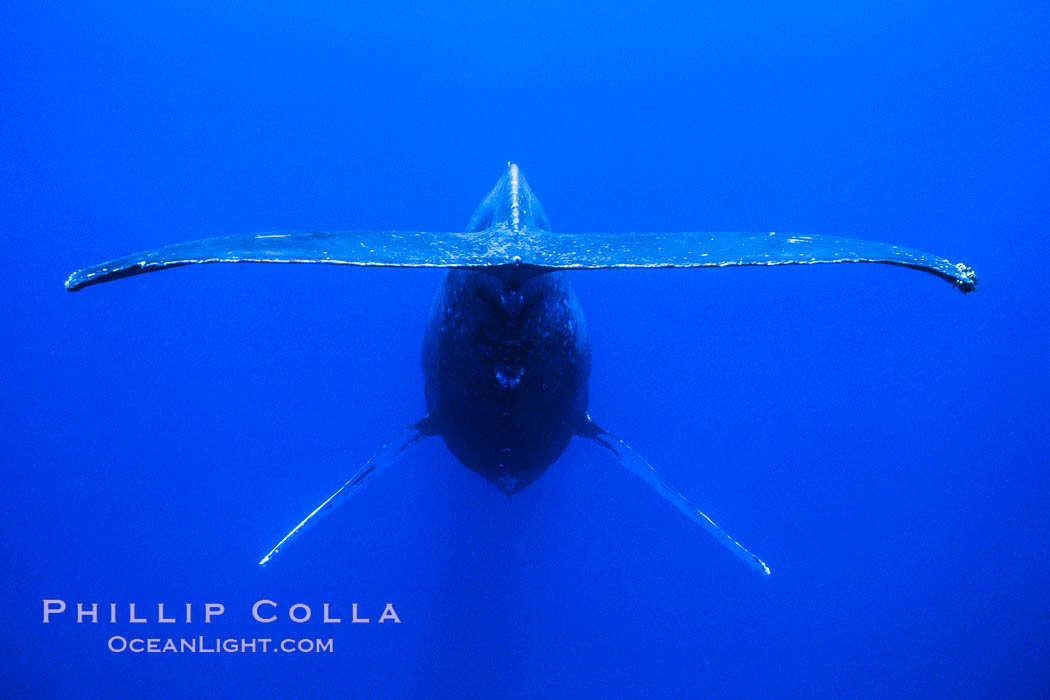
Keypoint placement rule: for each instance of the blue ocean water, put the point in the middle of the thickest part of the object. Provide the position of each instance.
(878, 438)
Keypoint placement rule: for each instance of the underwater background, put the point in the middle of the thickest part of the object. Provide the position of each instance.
(878, 438)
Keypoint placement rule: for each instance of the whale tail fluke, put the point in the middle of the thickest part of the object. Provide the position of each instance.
(509, 230)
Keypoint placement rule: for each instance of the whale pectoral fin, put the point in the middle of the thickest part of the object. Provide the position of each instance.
(643, 470)
(383, 458)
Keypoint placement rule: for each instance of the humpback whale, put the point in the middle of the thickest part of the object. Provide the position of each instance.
(505, 353)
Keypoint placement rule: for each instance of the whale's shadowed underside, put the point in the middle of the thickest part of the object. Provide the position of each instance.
(505, 352)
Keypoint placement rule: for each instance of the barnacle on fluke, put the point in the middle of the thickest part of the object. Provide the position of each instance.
(967, 278)
(505, 354)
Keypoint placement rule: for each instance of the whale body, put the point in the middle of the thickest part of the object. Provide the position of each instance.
(506, 356)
